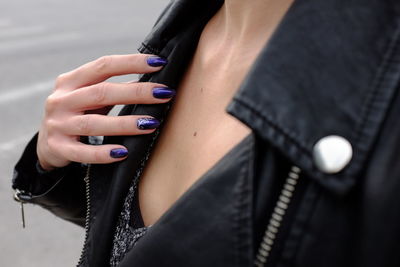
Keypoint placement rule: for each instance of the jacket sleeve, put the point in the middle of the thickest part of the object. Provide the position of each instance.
(61, 191)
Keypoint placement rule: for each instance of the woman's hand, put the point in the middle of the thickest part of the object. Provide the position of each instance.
(79, 103)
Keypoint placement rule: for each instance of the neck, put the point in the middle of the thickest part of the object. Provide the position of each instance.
(248, 20)
(237, 33)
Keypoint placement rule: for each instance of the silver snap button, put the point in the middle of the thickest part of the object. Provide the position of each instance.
(332, 153)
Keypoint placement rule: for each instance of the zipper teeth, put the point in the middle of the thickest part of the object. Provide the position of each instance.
(270, 233)
(87, 218)
(276, 218)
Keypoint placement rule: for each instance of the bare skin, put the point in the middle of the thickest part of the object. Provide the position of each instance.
(78, 105)
(199, 132)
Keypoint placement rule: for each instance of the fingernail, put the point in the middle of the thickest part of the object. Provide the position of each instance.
(147, 123)
(118, 152)
(155, 61)
(163, 92)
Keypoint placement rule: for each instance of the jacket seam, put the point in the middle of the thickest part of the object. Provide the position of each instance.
(240, 218)
(377, 86)
(300, 223)
(149, 48)
(306, 222)
(275, 125)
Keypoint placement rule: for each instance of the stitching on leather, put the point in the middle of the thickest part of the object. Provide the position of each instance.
(235, 230)
(303, 224)
(377, 86)
(241, 204)
(151, 49)
(276, 126)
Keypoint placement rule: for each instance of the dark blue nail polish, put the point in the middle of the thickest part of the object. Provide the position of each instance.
(118, 152)
(147, 123)
(155, 61)
(163, 92)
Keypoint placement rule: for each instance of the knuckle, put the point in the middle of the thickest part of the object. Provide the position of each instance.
(52, 103)
(73, 154)
(51, 126)
(141, 90)
(102, 64)
(61, 80)
(99, 93)
(83, 125)
(124, 124)
(52, 143)
(98, 155)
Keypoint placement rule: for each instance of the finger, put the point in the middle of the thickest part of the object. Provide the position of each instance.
(107, 94)
(98, 125)
(79, 152)
(105, 67)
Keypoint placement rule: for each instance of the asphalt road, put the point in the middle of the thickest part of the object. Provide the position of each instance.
(39, 40)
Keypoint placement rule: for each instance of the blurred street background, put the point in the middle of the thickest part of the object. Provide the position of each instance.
(38, 41)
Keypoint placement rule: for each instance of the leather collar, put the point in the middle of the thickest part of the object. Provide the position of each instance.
(330, 68)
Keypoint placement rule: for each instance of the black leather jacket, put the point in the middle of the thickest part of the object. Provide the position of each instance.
(331, 68)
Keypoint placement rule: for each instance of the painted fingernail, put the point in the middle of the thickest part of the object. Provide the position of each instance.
(163, 92)
(118, 153)
(155, 61)
(147, 123)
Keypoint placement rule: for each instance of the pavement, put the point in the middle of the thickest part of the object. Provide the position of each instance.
(38, 41)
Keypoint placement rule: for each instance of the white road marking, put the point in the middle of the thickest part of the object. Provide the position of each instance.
(16, 94)
(11, 32)
(45, 41)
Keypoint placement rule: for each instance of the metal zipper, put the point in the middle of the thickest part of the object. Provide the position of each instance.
(17, 197)
(23, 197)
(87, 218)
(276, 218)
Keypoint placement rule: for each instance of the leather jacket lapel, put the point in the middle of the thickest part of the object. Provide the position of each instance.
(331, 68)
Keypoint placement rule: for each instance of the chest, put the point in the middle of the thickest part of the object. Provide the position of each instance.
(196, 134)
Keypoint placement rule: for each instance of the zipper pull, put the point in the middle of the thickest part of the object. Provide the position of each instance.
(20, 196)
(22, 214)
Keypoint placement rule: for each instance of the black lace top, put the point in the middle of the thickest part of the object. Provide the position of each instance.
(130, 227)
